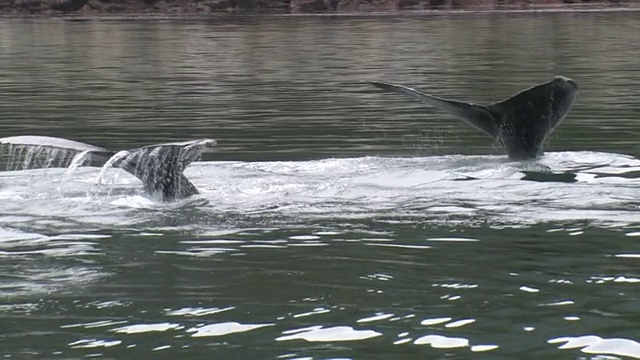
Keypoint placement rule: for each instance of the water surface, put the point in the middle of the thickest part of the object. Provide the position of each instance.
(335, 221)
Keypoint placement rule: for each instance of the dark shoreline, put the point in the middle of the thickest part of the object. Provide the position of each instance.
(193, 9)
(354, 14)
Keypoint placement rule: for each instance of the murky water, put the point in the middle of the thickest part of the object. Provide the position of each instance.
(335, 221)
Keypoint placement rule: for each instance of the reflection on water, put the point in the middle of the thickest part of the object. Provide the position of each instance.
(293, 88)
(380, 229)
(591, 344)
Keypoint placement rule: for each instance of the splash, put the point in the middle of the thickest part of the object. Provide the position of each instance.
(114, 159)
(76, 162)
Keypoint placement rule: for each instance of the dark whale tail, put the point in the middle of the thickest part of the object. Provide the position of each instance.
(160, 167)
(520, 123)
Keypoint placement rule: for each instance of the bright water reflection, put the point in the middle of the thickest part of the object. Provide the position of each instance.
(379, 230)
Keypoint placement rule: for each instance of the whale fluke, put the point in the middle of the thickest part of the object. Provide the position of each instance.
(160, 167)
(520, 123)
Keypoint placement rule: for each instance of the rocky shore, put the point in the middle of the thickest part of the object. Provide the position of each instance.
(204, 7)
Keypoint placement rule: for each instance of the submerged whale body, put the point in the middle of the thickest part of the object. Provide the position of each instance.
(160, 167)
(520, 123)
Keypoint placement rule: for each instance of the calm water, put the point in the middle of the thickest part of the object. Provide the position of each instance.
(335, 221)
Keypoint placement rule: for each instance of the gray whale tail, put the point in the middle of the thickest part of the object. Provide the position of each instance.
(521, 123)
(160, 166)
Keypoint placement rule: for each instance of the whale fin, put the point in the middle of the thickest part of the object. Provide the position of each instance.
(478, 116)
(520, 123)
(160, 167)
(529, 117)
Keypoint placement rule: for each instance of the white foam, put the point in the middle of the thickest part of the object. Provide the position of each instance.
(358, 188)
